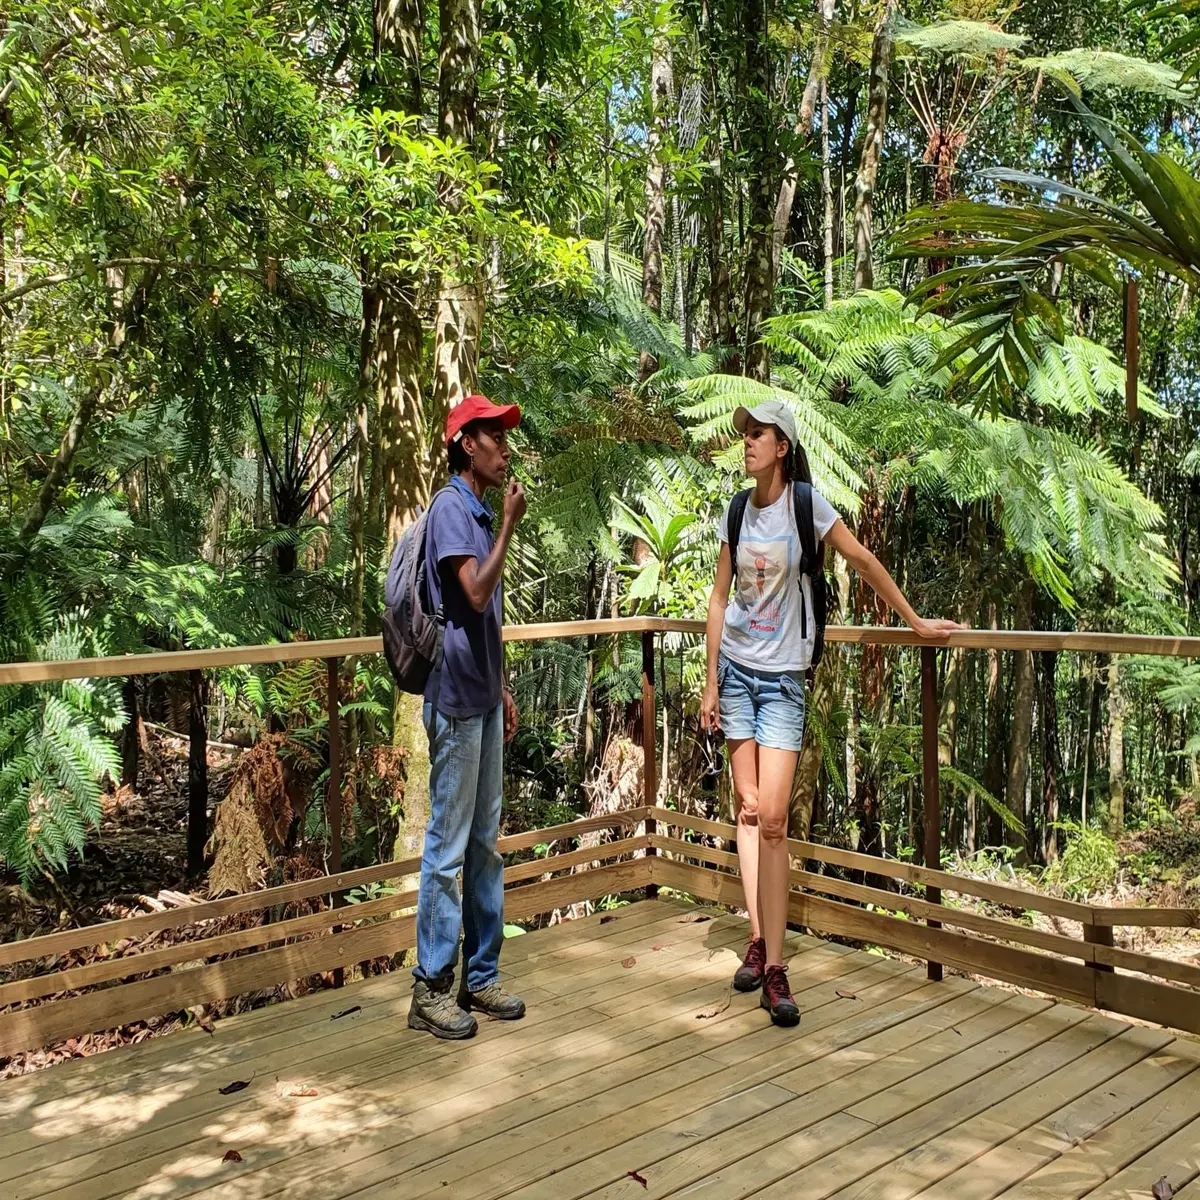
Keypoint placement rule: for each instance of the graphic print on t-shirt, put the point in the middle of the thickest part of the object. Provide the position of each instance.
(764, 567)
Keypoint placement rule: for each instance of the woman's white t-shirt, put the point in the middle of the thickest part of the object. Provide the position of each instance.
(762, 621)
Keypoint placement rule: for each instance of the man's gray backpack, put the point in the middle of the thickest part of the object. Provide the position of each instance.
(412, 633)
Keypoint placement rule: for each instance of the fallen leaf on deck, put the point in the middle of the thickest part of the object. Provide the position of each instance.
(628, 962)
(605, 920)
(715, 1010)
(346, 1012)
(694, 918)
(637, 1178)
(289, 1090)
(1162, 1190)
(845, 995)
(236, 1086)
(232, 1156)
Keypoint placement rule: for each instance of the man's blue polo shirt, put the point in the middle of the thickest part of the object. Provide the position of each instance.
(472, 672)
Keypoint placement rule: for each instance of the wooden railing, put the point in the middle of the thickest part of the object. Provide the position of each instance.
(266, 954)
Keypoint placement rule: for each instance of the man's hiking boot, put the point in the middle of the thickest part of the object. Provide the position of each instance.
(434, 1010)
(492, 1001)
(749, 976)
(777, 997)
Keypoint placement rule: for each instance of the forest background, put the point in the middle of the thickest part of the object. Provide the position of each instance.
(250, 254)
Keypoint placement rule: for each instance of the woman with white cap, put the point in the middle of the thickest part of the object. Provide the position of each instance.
(760, 648)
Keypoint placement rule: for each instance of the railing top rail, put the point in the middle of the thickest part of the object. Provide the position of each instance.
(232, 656)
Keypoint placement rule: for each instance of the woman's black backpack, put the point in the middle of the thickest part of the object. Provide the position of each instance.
(812, 559)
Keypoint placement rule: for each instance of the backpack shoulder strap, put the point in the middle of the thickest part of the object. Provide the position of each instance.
(737, 514)
(812, 553)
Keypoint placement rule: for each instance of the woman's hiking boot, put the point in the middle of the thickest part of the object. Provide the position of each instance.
(492, 1001)
(434, 1010)
(749, 976)
(777, 997)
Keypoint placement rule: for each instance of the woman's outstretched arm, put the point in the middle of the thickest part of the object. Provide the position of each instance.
(871, 569)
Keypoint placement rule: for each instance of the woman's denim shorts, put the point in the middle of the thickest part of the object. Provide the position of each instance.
(767, 706)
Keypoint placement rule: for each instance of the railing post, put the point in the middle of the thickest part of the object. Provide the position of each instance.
(334, 796)
(931, 782)
(649, 742)
(1099, 935)
(197, 827)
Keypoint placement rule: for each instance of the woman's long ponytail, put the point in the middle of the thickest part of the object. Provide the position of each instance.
(795, 462)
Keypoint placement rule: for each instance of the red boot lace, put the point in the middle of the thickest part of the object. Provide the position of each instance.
(775, 985)
(756, 956)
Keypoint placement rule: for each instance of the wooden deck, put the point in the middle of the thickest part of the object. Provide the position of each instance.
(637, 1073)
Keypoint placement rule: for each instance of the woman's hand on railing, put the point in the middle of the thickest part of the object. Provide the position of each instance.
(937, 630)
(710, 713)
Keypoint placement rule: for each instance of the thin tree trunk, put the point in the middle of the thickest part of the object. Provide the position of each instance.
(1116, 750)
(131, 735)
(826, 195)
(994, 763)
(656, 180)
(1021, 730)
(458, 322)
(123, 324)
(956, 659)
(872, 150)
(808, 771)
(722, 330)
(1051, 755)
(808, 106)
(874, 534)
(764, 167)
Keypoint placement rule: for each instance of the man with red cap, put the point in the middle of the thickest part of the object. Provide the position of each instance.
(469, 715)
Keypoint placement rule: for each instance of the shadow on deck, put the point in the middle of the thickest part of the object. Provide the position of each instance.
(637, 1073)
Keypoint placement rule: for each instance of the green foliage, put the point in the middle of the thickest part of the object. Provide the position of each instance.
(1087, 864)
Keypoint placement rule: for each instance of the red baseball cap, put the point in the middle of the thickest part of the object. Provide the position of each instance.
(479, 408)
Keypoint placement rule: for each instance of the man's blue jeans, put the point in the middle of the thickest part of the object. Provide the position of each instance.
(466, 783)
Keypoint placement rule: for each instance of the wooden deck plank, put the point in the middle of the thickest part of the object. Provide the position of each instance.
(673, 1078)
(893, 1088)
(836, 1151)
(670, 1158)
(905, 1176)
(551, 1148)
(41, 1098)
(1085, 1167)
(1177, 1160)
(413, 1055)
(1018, 1157)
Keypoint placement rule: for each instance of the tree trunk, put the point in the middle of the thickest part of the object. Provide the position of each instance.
(402, 452)
(656, 181)
(1021, 730)
(808, 105)
(1051, 755)
(722, 330)
(764, 168)
(402, 457)
(956, 660)
(1116, 750)
(360, 461)
(131, 743)
(458, 322)
(124, 323)
(871, 610)
(994, 763)
(872, 150)
(826, 196)
(808, 771)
